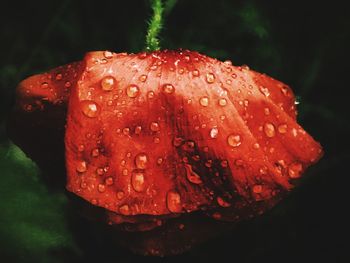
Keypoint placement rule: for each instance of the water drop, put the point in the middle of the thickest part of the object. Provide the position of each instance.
(150, 94)
(83, 185)
(264, 91)
(294, 170)
(204, 101)
(120, 195)
(143, 78)
(168, 88)
(138, 130)
(266, 111)
(269, 130)
(125, 172)
(191, 175)
(59, 76)
(90, 108)
(132, 91)
(222, 102)
(156, 140)
(81, 147)
(141, 160)
(138, 180)
(81, 167)
(108, 54)
(178, 141)
(44, 85)
(100, 171)
(159, 161)
(257, 189)
(101, 188)
(214, 132)
(95, 152)
(282, 128)
(234, 140)
(224, 163)
(222, 202)
(154, 126)
(109, 180)
(124, 210)
(108, 83)
(210, 78)
(173, 200)
(195, 73)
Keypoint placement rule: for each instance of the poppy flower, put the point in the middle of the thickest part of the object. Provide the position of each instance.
(168, 143)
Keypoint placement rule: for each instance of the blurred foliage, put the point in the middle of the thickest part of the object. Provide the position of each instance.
(301, 43)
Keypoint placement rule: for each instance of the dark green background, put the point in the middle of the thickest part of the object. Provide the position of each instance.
(304, 44)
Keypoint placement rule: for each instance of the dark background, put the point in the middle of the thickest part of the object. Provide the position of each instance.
(304, 44)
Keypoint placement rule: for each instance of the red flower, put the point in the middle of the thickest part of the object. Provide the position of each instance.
(161, 135)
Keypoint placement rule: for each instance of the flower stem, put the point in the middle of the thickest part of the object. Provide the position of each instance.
(154, 26)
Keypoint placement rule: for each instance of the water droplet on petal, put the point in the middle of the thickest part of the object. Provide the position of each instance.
(108, 54)
(59, 76)
(210, 78)
(132, 91)
(90, 108)
(124, 210)
(264, 91)
(81, 167)
(138, 180)
(83, 185)
(100, 171)
(256, 146)
(204, 101)
(150, 94)
(159, 161)
(214, 132)
(282, 128)
(108, 83)
(294, 170)
(168, 88)
(125, 172)
(141, 160)
(195, 73)
(222, 202)
(266, 111)
(154, 126)
(143, 78)
(234, 140)
(120, 195)
(44, 85)
(101, 188)
(234, 75)
(95, 152)
(67, 84)
(222, 102)
(81, 147)
(269, 129)
(138, 130)
(173, 200)
(257, 189)
(224, 163)
(109, 180)
(192, 176)
(178, 141)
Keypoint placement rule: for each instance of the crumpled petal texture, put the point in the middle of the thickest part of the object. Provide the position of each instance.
(155, 137)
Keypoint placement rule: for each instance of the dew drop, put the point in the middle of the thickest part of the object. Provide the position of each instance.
(204, 101)
(143, 78)
(109, 181)
(81, 147)
(257, 189)
(222, 102)
(67, 84)
(294, 170)
(192, 176)
(222, 202)
(83, 185)
(90, 108)
(108, 83)
(120, 195)
(178, 141)
(124, 210)
(282, 128)
(173, 200)
(150, 94)
(168, 88)
(141, 160)
(138, 180)
(224, 163)
(81, 167)
(210, 78)
(195, 73)
(101, 188)
(159, 161)
(132, 91)
(44, 85)
(125, 172)
(234, 140)
(214, 132)
(95, 152)
(59, 76)
(108, 54)
(100, 171)
(138, 130)
(154, 126)
(269, 130)
(264, 91)
(256, 146)
(156, 140)
(266, 111)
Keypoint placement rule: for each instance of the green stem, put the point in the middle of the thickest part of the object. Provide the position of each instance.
(155, 25)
